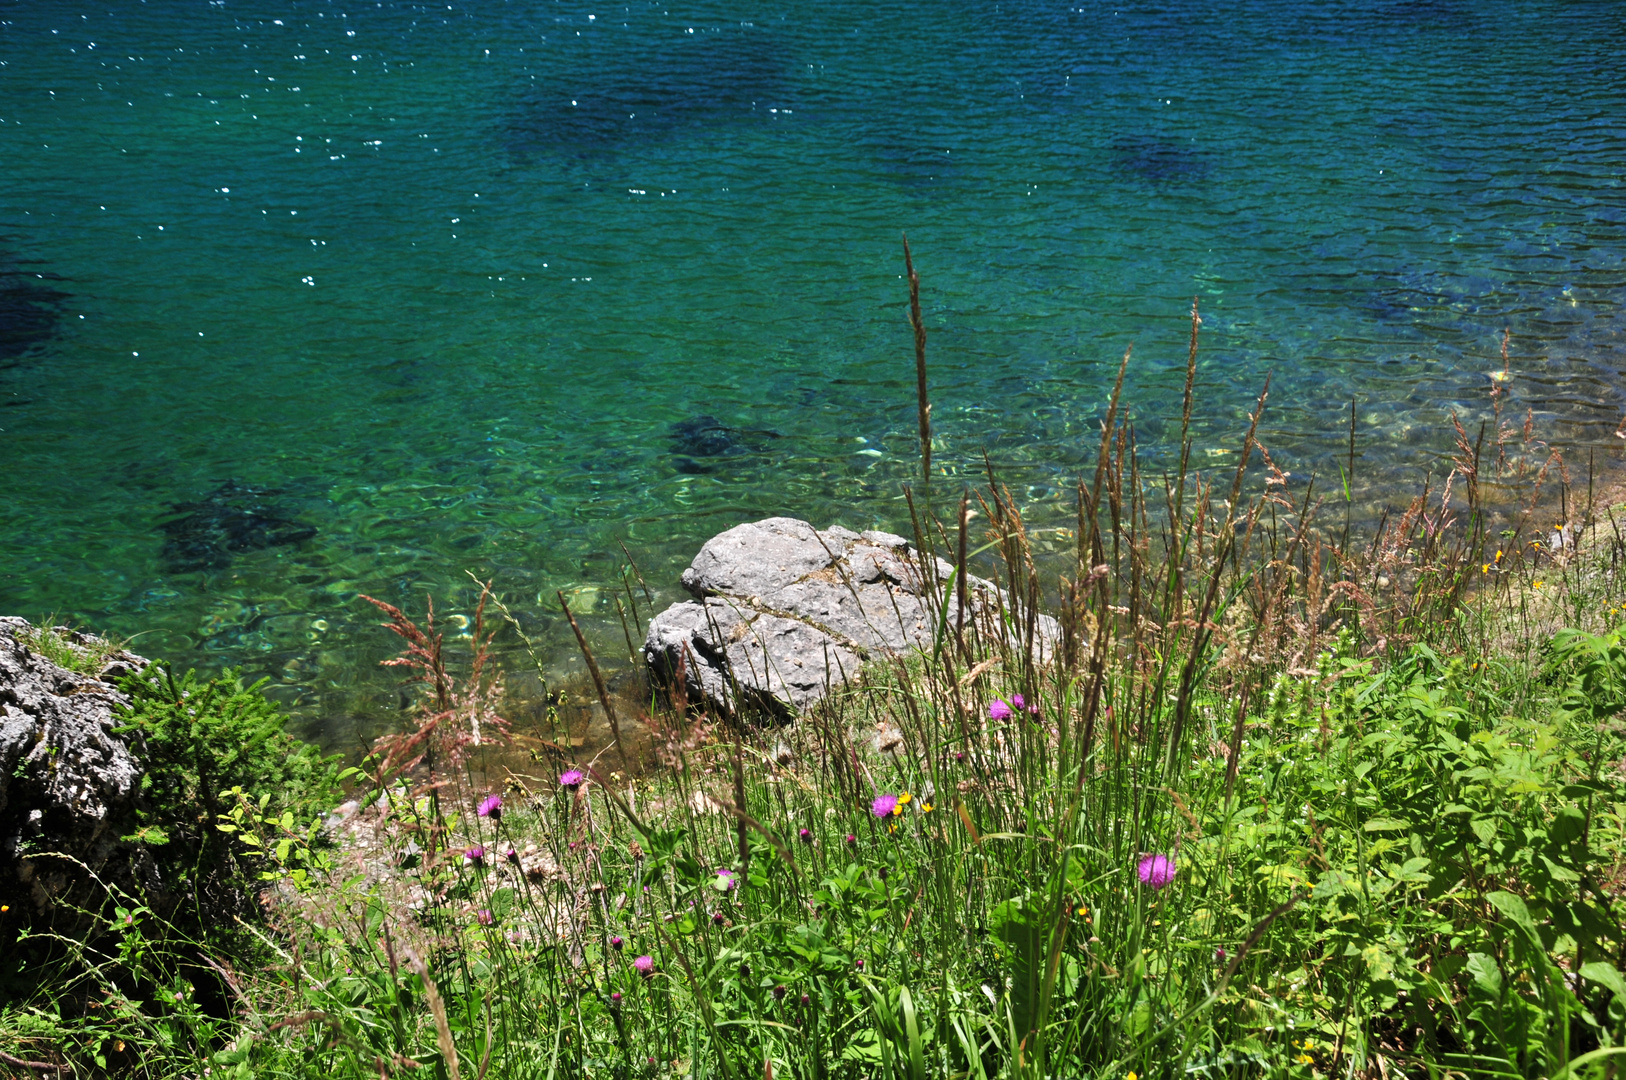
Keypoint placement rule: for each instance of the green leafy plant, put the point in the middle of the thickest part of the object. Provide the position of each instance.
(208, 745)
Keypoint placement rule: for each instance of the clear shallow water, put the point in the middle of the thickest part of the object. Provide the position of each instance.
(437, 281)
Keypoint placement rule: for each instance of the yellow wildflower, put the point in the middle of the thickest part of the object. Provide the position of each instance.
(925, 808)
(1537, 585)
(904, 798)
(1305, 1059)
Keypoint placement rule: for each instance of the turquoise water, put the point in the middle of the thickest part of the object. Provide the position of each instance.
(301, 301)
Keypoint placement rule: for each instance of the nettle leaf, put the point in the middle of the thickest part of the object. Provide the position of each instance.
(1333, 884)
(1607, 976)
(1413, 870)
(1567, 825)
(1482, 968)
(1380, 963)
(1559, 873)
(1283, 874)
(1514, 909)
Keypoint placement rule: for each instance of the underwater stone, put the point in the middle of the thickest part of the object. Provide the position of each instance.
(708, 437)
(30, 313)
(1161, 161)
(205, 535)
(680, 90)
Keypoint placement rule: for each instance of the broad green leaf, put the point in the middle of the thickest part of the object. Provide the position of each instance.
(1380, 963)
(1413, 870)
(1606, 975)
(1514, 910)
(1485, 973)
(1333, 883)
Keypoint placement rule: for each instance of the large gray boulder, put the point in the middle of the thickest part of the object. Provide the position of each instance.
(68, 784)
(784, 612)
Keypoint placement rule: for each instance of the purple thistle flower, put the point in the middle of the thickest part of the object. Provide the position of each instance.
(491, 807)
(644, 965)
(1017, 702)
(475, 856)
(859, 964)
(1156, 870)
(779, 992)
(717, 918)
(484, 917)
(615, 997)
(998, 710)
(883, 805)
(616, 943)
(512, 856)
(806, 836)
(571, 779)
(852, 841)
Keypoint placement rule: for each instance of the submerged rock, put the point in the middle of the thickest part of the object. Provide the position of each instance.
(656, 93)
(30, 313)
(233, 518)
(784, 612)
(1160, 161)
(68, 784)
(704, 437)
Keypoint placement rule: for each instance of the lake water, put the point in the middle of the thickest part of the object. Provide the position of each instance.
(300, 301)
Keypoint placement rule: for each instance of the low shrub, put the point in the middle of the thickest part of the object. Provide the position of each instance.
(209, 745)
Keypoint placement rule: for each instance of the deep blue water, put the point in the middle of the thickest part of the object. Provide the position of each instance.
(305, 300)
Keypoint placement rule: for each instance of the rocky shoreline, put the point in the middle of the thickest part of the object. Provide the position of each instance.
(783, 613)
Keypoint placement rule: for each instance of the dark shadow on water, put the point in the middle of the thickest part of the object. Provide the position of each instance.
(670, 89)
(233, 518)
(909, 162)
(1408, 296)
(1160, 161)
(698, 441)
(31, 310)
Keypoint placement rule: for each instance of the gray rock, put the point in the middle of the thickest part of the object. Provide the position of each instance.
(784, 612)
(68, 784)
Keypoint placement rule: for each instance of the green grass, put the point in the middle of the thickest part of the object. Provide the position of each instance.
(1415, 872)
(67, 647)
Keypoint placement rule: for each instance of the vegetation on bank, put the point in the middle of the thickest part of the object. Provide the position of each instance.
(1270, 801)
